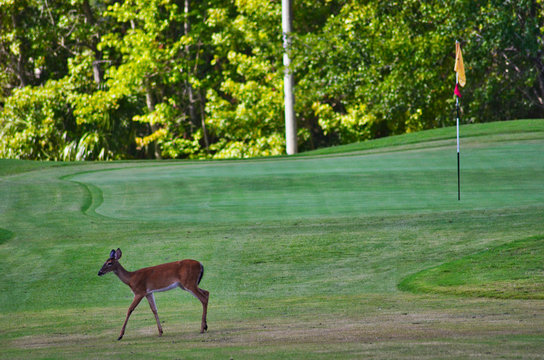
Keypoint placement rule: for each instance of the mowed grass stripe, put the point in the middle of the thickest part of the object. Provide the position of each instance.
(495, 175)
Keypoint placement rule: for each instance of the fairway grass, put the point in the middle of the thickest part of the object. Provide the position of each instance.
(303, 255)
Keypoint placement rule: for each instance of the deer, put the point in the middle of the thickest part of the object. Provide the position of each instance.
(185, 274)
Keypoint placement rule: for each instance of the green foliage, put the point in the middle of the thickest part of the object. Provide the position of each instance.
(398, 62)
(351, 126)
(507, 65)
(90, 128)
(29, 126)
(245, 112)
(143, 79)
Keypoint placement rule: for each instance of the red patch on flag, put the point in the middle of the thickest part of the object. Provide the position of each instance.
(456, 91)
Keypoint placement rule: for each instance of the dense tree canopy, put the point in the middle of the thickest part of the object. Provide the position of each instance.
(112, 79)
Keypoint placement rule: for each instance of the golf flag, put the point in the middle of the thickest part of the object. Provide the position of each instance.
(459, 80)
(459, 66)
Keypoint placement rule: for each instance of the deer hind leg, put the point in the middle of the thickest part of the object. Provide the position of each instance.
(151, 299)
(206, 296)
(135, 302)
(203, 296)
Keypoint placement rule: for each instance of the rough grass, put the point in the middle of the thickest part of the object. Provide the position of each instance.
(511, 271)
(303, 255)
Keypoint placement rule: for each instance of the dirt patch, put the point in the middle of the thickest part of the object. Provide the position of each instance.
(402, 326)
(508, 329)
(49, 340)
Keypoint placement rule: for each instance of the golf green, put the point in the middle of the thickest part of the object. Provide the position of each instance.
(424, 180)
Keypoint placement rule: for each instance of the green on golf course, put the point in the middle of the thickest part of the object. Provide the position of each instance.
(359, 251)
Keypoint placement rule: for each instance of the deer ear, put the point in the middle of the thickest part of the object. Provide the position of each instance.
(118, 254)
(112, 254)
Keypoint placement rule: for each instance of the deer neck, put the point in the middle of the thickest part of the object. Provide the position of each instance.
(123, 274)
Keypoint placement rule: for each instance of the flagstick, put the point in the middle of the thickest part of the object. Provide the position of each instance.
(458, 160)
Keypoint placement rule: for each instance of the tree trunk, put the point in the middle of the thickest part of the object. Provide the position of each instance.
(21, 58)
(188, 87)
(150, 101)
(98, 73)
(540, 74)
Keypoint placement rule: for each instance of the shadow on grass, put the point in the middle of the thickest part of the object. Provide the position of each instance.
(5, 235)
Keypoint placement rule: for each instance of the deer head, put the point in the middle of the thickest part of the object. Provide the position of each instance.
(112, 263)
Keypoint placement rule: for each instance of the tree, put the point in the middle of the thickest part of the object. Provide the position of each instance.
(109, 79)
(47, 52)
(245, 112)
(506, 48)
(383, 68)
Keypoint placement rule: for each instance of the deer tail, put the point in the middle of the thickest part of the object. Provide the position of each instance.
(201, 273)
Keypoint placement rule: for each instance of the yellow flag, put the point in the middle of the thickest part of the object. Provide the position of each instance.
(459, 67)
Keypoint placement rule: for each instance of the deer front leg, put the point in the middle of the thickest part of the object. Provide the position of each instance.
(135, 302)
(153, 306)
